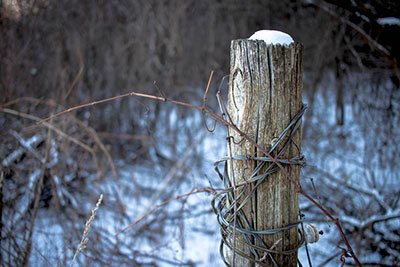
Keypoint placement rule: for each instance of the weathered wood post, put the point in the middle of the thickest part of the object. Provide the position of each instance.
(264, 96)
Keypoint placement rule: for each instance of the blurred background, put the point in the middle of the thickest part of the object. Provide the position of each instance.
(139, 153)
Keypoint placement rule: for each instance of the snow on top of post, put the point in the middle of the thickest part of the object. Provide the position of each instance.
(272, 37)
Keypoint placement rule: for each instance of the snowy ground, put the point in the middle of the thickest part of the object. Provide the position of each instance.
(197, 239)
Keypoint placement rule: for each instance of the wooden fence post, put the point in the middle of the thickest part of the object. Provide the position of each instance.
(264, 96)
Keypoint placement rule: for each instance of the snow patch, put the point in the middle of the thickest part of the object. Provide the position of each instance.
(272, 37)
(389, 21)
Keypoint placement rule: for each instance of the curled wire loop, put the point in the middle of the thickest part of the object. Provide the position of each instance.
(229, 210)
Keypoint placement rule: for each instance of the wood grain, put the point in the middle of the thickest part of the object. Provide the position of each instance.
(264, 95)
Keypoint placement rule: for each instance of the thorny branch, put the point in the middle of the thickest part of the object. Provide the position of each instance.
(228, 123)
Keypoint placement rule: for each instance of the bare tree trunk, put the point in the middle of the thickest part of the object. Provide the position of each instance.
(264, 96)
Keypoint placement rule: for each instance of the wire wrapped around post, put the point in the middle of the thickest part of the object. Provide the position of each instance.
(259, 211)
(224, 202)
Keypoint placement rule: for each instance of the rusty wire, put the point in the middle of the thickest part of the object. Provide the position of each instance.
(229, 211)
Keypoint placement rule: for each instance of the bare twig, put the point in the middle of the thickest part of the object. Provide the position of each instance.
(372, 42)
(155, 208)
(38, 187)
(231, 125)
(162, 99)
(48, 125)
(207, 88)
(77, 77)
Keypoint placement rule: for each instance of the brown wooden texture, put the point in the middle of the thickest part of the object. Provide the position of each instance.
(264, 95)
